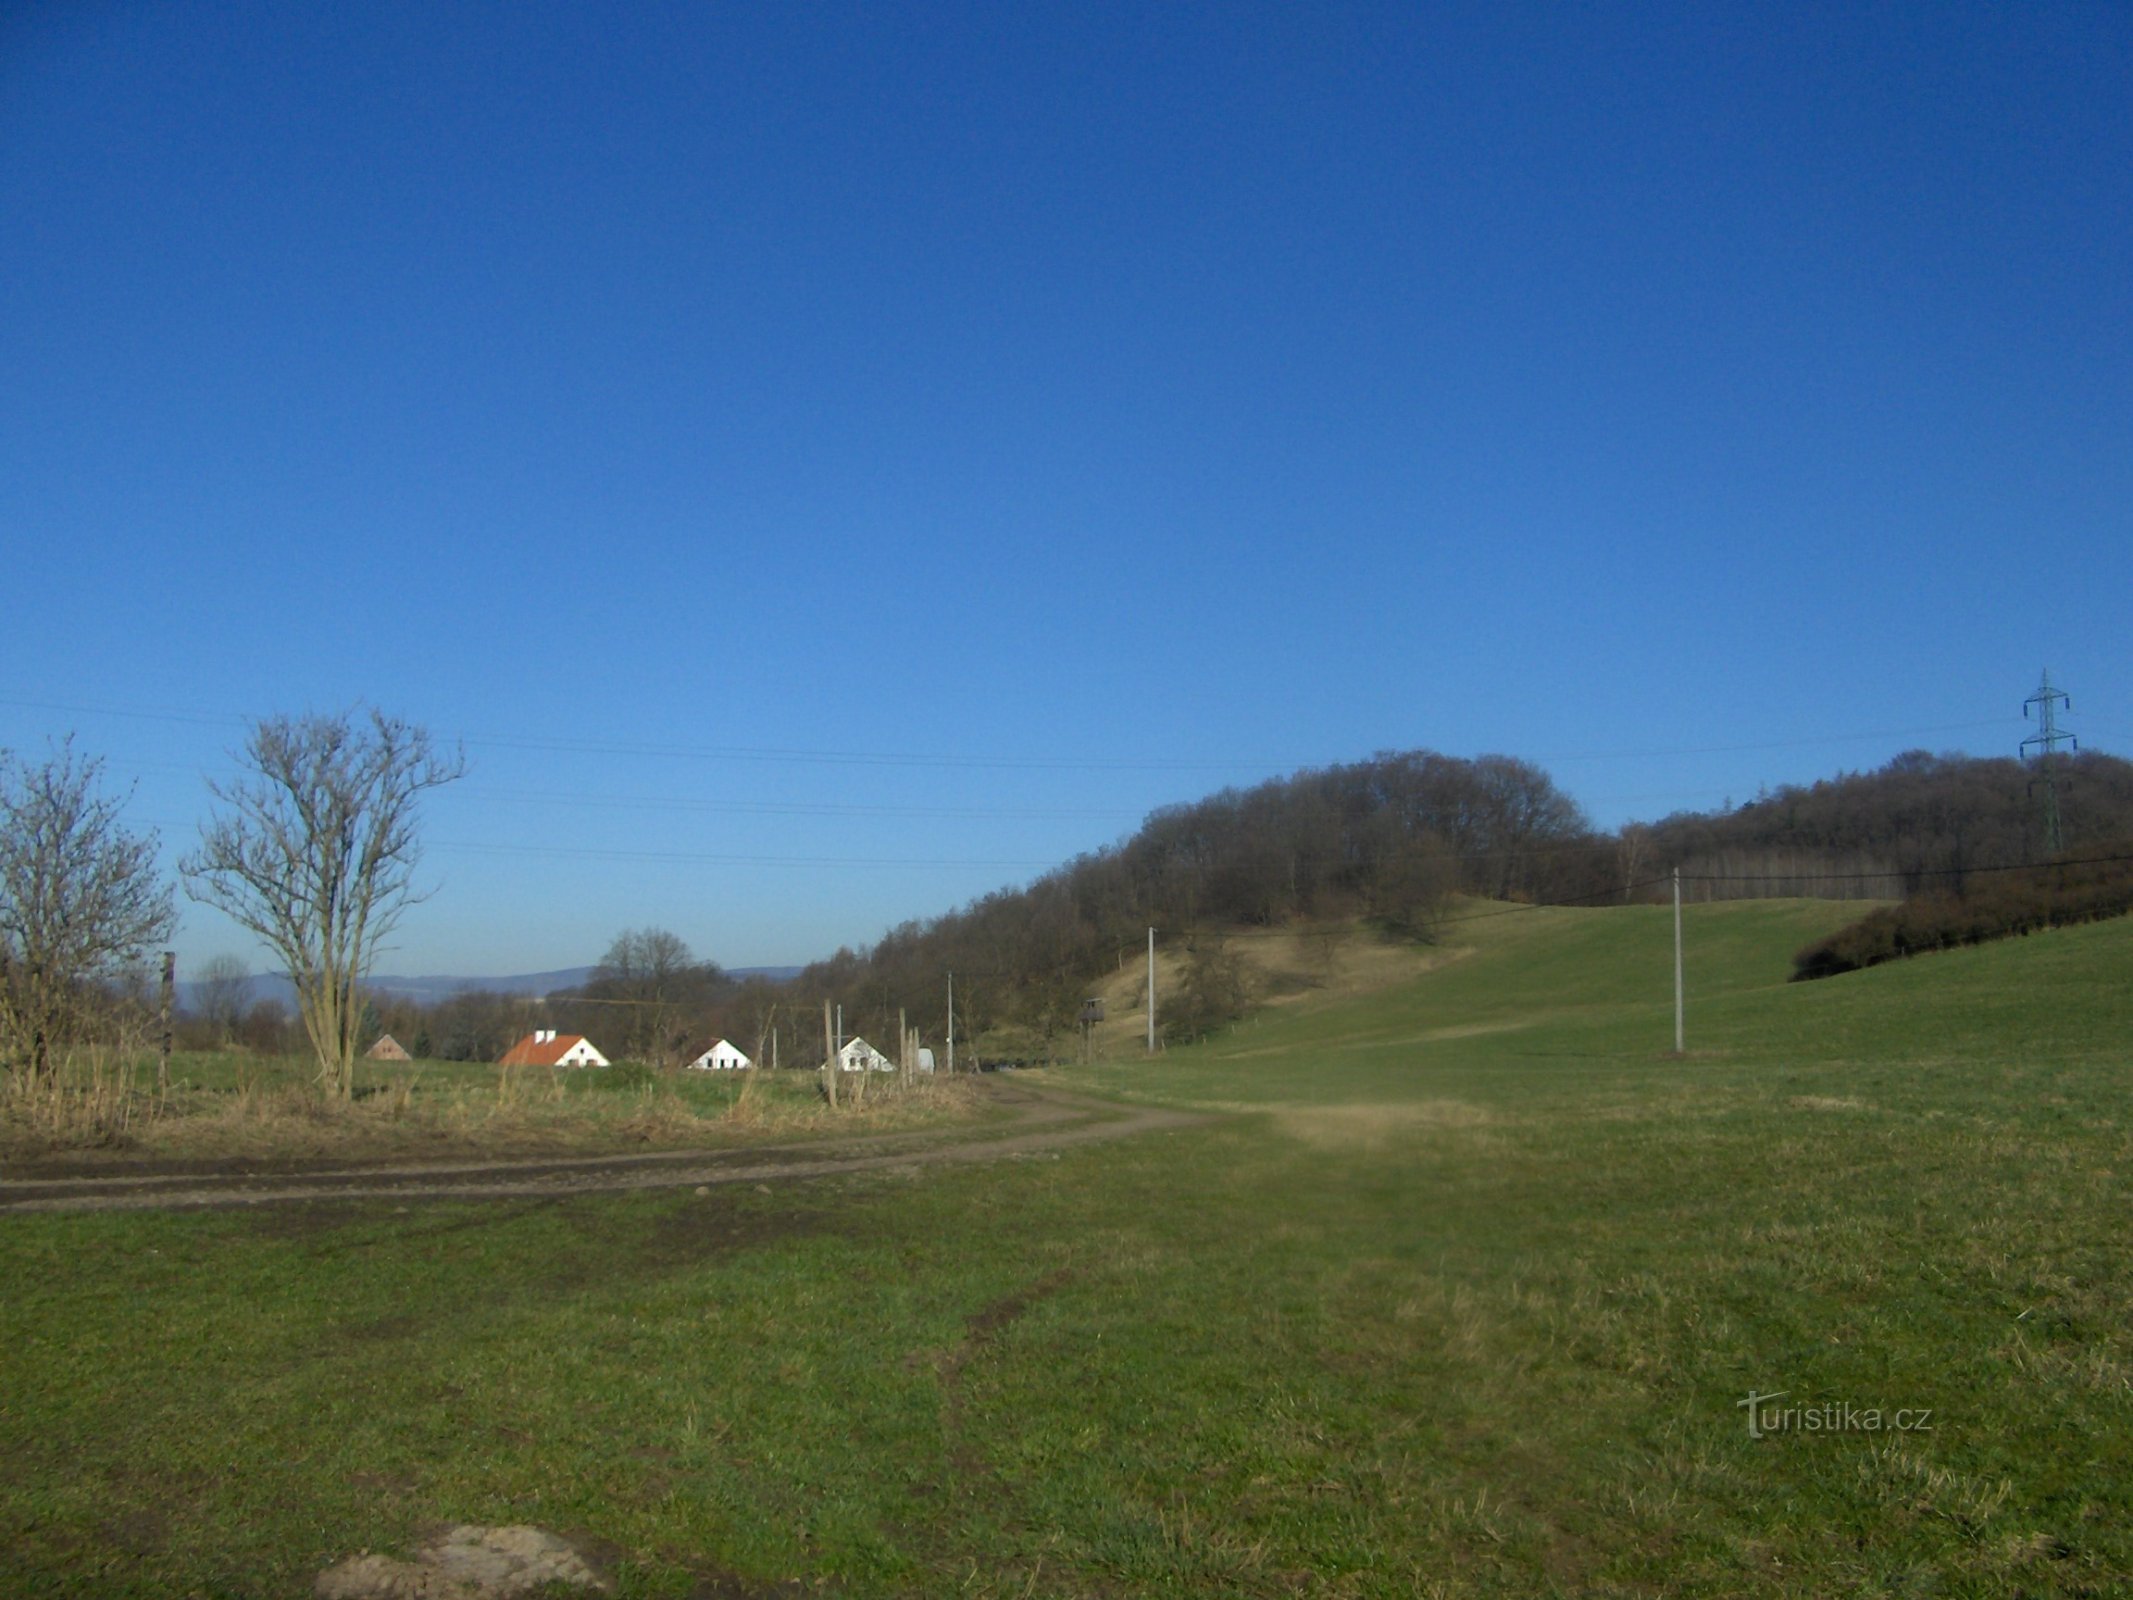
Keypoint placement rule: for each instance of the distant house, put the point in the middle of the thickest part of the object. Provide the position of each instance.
(386, 1049)
(722, 1057)
(547, 1048)
(859, 1056)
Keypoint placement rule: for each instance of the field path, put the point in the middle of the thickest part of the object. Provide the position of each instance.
(1042, 1120)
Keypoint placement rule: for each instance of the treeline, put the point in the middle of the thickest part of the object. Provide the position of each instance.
(662, 1015)
(2073, 888)
(649, 999)
(1922, 822)
(1390, 840)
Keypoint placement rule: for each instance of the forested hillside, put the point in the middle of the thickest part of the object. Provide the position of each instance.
(1394, 838)
(1923, 821)
(1388, 841)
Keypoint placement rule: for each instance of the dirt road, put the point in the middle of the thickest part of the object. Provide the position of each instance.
(1042, 1120)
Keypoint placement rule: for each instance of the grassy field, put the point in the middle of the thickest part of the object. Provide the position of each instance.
(1460, 1295)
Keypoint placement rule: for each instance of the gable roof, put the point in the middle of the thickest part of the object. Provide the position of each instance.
(386, 1049)
(536, 1050)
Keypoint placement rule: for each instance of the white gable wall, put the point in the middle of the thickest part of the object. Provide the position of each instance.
(722, 1057)
(859, 1056)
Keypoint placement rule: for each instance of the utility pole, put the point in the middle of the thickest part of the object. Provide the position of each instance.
(951, 1024)
(2047, 740)
(1680, 1035)
(1151, 991)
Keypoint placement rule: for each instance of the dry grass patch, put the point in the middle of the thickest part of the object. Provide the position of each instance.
(1298, 969)
(102, 1105)
(92, 1099)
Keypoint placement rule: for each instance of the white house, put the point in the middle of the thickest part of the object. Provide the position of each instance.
(722, 1057)
(545, 1048)
(859, 1056)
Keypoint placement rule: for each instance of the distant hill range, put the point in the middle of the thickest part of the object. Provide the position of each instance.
(431, 989)
(275, 986)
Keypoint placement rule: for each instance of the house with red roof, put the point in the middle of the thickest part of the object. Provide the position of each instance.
(544, 1047)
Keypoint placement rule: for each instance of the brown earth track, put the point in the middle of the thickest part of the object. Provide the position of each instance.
(1044, 1120)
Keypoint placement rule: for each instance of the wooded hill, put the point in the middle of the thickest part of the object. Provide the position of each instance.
(1388, 842)
(1392, 839)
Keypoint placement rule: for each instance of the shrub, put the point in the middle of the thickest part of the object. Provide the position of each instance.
(2066, 890)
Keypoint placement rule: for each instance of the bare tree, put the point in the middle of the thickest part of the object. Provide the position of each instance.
(80, 899)
(653, 971)
(1633, 847)
(315, 851)
(219, 994)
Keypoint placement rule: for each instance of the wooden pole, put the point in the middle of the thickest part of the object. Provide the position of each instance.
(1680, 1033)
(170, 989)
(829, 1036)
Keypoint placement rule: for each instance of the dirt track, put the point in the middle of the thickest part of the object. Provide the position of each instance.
(1043, 1120)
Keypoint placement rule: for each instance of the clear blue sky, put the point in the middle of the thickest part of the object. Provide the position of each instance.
(827, 462)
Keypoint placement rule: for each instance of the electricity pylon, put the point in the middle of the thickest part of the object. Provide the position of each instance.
(2047, 740)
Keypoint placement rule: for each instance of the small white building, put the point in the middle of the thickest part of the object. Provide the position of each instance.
(859, 1056)
(722, 1057)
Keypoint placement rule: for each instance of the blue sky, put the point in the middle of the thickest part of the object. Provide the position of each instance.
(828, 462)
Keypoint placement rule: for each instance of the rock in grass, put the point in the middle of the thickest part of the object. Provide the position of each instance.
(465, 1563)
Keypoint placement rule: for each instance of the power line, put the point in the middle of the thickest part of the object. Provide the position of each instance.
(708, 859)
(1619, 891)
(1772, 744)
(1897, 872)
(953, 762)
(776, 808)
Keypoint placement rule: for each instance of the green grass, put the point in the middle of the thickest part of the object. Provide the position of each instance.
(1459, 1298)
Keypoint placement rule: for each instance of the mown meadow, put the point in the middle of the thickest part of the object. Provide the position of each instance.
(1458, 1291)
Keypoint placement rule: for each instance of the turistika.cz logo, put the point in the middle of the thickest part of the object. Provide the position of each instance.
(1766, 1418)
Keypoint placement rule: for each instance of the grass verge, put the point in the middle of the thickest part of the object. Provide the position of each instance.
(103, 1107)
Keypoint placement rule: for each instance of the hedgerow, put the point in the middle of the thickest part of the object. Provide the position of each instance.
(2088, 888)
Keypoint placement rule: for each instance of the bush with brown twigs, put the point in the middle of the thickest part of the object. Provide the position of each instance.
(2096, 884)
